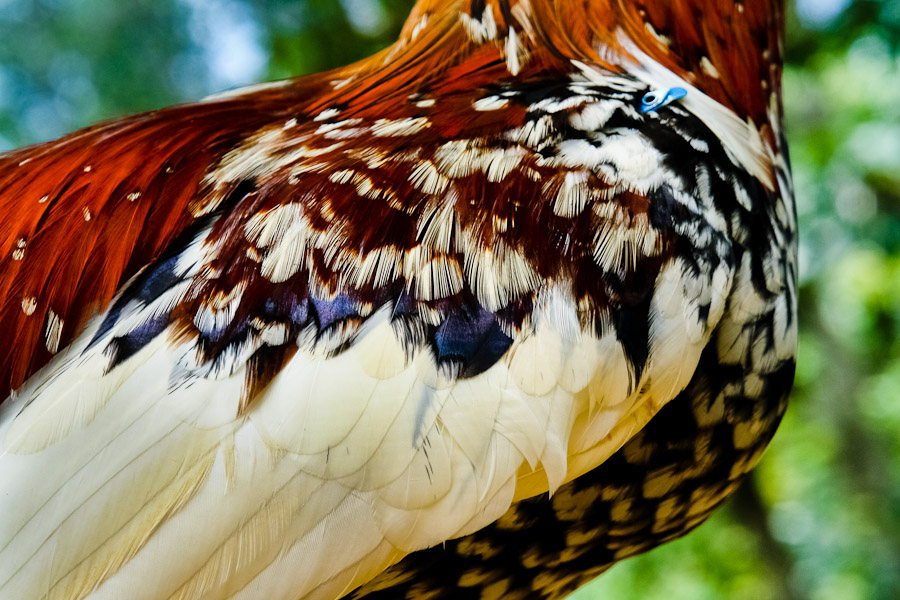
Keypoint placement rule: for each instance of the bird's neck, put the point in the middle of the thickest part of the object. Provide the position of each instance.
(729, 49)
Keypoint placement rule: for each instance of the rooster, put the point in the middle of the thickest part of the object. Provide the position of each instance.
(476, 317)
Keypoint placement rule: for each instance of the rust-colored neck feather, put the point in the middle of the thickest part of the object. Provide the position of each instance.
(726, 48)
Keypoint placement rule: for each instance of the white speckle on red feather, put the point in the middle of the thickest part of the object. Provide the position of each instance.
(340, 83)
(516, 53)
(709, 68)
(438, 278)
(343, 134)
(503, 162)
(342, 176)
(24, 162)
(329, 127)
(455, 158)
(44, 199)
(53, 333)
(619, 243)
(275, 334)
(554, 105)
(498, 274)
(87, 169)
(133, 196)
(287, 234)
(573, 194)
(86, 213)
(533, 133)
(399, 127)
(19, 252)
(662, 39)
(266, 228)
(308, 167)
(461, 158)
(531, 174)
(327, 114)
(423, 22)
(490, 103)
(426, 178)
(376, 268)
(428, 102)
(438, 225)
(483, 29)
(306, 152)
(373, 157)
(29, 304)
(364, 185)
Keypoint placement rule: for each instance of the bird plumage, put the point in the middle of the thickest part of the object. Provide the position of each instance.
(269, 344)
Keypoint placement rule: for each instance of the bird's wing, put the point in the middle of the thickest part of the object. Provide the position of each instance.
(367, 336)
(83, 214)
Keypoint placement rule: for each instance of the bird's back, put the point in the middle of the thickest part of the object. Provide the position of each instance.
(479, 316)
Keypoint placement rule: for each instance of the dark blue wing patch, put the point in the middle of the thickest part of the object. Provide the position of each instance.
(122, 348)
(472, 338)
(333, 311)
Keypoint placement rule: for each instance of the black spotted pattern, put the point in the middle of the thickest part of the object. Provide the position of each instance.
(546, 548)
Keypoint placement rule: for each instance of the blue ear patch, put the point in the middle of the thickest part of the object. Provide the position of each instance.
(656, 99)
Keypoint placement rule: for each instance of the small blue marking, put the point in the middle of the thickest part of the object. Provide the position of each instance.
(332, 311)
(656, 99)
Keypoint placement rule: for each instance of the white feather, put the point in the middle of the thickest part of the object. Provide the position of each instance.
(344, 463)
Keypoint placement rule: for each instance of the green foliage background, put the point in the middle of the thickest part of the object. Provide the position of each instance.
(820, 519)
